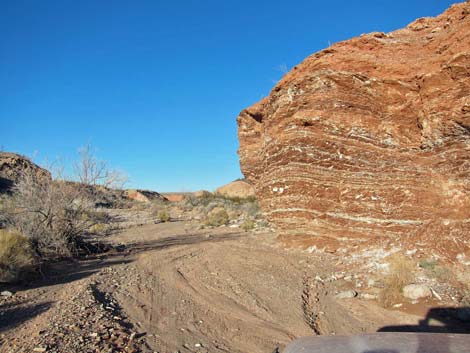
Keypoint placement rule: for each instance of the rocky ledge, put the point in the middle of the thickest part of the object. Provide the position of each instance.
(369, 141)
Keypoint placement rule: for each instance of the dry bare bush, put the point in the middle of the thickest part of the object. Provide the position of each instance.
(56, 215)
(53, 215)
(217, 218)
(401, 273)
(15, 255)
(91, 171)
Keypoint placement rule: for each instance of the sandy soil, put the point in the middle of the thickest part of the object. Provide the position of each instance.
(173, 288)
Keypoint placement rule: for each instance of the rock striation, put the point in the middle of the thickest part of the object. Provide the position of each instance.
(369, 141)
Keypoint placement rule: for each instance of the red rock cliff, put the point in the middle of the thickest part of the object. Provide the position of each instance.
(369, 140)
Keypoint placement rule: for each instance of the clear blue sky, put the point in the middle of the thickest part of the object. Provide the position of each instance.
(155, 86)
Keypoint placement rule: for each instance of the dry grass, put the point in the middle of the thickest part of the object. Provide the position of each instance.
(217, 218)
(401, 273)
(248, 225)
(15, 255)
(99, 228)
(163, 215)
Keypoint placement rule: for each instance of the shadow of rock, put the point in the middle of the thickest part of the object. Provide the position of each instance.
(71, 270)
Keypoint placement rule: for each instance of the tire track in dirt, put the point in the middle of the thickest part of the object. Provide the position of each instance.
(234, 295)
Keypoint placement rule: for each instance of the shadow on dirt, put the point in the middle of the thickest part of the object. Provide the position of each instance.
(13, 315)
(76, 269)
(438, 320)
(180, 240)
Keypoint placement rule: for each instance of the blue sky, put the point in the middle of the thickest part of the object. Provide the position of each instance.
(155, 86)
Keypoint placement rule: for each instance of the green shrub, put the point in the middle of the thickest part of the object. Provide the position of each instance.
(15, 255)
(217, 218)
(428, 264)
(441, 273)
(248, 225)
(163, 215)
(99, 228)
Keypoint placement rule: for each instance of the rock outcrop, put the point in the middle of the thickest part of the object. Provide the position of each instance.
(237, 188)
(13, 165)
(369, 141)
(144, 195)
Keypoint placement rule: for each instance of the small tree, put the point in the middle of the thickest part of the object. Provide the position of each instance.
(55, 214)
(91, 171)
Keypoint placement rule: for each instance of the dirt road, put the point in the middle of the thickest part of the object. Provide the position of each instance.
(171, 288)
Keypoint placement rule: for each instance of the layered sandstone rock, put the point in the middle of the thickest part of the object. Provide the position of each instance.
(369, 140)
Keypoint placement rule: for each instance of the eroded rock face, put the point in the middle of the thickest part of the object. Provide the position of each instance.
(144, 195)
(13, 165)
(369, 140)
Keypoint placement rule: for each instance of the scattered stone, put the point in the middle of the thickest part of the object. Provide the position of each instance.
(346, 294)
(436, 295)
(6, 293)
(416, 291)
(368, 296)
(40, 349)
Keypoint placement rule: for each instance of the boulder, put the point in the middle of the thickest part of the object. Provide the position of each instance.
(416, 291)
(144, 195)
(368, 141)
(346, 294)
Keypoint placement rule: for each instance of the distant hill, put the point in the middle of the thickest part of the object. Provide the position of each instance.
(237, 188)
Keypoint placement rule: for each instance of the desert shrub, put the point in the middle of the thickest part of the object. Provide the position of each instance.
(99, 228)
(139, 206)
(248, 225)
(243, 208)
(53, 215)
(163, 215)
(401, 273)
(93, 172)
(428, 264)
(15, 255)
(434, 270)
(96, 216)
(156, 206)
(441, 273)
(217, 218)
